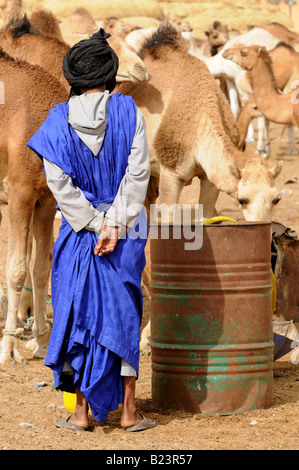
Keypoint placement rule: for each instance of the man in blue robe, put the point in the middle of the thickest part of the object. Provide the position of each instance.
(96, 161)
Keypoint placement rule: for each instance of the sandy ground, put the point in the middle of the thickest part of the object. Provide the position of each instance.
(27, 411)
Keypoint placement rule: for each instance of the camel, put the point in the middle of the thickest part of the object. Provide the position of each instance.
(283, 33)
(285, 65)
(116, 25)
(235, 76)
(21, 41)
(277, 107)
(248, 111)
(180, 143)
(136, 37)
(32, 183)
(10, 9)
(217, 35)
(51, 52)
(80, 25)
(25, 108)
(46, 23)
(192, 133)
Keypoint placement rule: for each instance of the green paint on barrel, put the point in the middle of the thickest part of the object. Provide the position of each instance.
(212, 349)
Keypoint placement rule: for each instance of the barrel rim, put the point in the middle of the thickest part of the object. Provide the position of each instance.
(239, 223)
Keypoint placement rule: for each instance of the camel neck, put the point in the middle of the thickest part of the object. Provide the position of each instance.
(268, 100)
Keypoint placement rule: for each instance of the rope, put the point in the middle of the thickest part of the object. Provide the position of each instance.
(27, 288)
(20, 332)
(49, 302)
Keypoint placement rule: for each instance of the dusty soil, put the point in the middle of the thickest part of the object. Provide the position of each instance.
(27, 412)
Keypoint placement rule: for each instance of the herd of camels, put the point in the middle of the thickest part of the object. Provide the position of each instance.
(191, 129)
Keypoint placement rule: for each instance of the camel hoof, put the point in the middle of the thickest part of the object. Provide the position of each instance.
(146, 350)
(9, 352)
(40, 352)
(295, 356)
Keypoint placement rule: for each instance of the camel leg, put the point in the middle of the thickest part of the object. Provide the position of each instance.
(170, 188)
(250, 133)
(233, 97)
(42, 230)
(267, 134)
(208, 198)
(3, 298)
(19, 216)
(26, 299)
(292, 141)
(263, 125)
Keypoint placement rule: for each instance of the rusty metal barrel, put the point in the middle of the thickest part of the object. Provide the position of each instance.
(211, 330)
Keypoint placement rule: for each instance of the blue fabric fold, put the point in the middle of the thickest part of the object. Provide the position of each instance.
(97, 301)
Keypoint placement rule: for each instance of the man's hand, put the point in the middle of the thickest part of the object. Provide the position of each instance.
(107, 240)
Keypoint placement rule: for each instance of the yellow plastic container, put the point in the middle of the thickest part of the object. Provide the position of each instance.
(69, 402)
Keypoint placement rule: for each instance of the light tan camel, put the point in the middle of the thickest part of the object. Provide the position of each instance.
(25, 108)
(217, 35)
(285, 66)
(10, 9)
(20, 40)
(248, 112)
(277, 107)
(201, 140)
(116, 25)
(80, 25)
(192, 133)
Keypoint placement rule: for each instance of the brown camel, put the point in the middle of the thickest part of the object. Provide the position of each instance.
(24, 110)
(31, 183)
(192, 133)
(46, 23)
(20, 40)
(201, 139)
(276, 107)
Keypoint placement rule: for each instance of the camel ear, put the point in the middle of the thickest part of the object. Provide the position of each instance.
(235, 171)
(276, 169)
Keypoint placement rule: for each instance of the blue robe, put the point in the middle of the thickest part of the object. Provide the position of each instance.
(97, 301)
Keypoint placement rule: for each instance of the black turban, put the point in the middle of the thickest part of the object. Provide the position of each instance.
(91, 63)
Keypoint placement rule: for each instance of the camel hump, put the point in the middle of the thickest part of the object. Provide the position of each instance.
(165, 35)
(21, 26)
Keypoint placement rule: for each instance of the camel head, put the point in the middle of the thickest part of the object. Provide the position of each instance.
(131, 67)
(117, 25)
(216, 38)
(246, 56)
(257, 192)
(182, 26)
